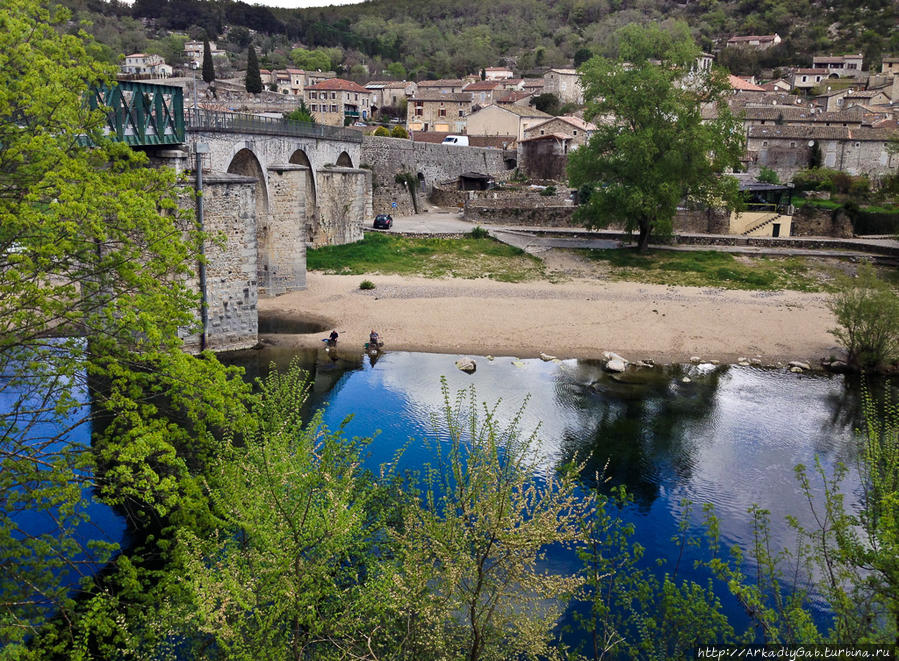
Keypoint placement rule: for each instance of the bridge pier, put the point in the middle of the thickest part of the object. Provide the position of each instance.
(282, 237)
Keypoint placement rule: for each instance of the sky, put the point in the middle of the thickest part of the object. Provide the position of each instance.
(296, 4)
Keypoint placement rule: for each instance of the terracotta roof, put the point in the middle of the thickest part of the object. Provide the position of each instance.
(833, 59)
(533, 82)
(295, 71)
(340, 85)
(864, 94)
(812, 71)
(743, 85)
(521, 111)
(388, 84)
(482, 86)
(511, 96)
(429, 95)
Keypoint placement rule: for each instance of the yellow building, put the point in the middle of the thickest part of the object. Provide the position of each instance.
(768, 210)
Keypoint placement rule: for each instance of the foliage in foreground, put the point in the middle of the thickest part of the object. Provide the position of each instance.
(430, 258)
(93, 247)
(867, 311)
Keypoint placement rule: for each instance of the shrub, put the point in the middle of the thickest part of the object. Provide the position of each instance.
(548, 191)
(382, 131)
(479, 233)
(399, 132)
(768, 176)
(366, 284)
(867, 311)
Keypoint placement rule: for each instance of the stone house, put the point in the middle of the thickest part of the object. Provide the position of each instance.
(841, 65)
(756, 41)
(436, 111)
(532, 85)
(193, 53)
(444, 85)
(545, 156)
(866, 97)
(574, 128)
(336, 101)
(779, 85)
(505, 120)
(565, 84)
(832, 100)
(806, 79)
(390, 92)
(483, 92)
(890, 65)
(513, 97)
(854, 150)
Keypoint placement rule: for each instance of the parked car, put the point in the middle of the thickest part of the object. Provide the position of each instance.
(458, 140)
(383, 221)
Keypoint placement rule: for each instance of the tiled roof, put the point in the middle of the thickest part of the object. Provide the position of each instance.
(818, 132)
(533, 82)
(428, 95)
(445, 82)
(386, 84)
(521, 111)
(339, 85)
(511, 96)
(482, 86)
(554, 136)
(822, 72)
(743, 85)
(863, 94)
(576, 122)
(566, 72)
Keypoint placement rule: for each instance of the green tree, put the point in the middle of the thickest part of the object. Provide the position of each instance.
(768, 176)
(93, 248)
(399, 132)
(382, 132)
(815, 158)
(397, 70)
(208, 65)
(867, 311)
(546, 102)
(254, 79)
(657, 151)
(311, 60)
(301, 114)
(581, 55)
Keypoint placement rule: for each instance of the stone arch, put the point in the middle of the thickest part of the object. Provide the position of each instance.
(246, 163)
(299, 157)
(344, 160)
(422, 184)
(511, 163)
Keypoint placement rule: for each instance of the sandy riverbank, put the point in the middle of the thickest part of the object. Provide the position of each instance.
(576, 319)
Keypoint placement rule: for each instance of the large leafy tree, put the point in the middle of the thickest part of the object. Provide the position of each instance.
(94, 257)
(652, 149)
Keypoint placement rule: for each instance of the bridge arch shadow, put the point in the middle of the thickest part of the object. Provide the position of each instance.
(299, 157)
(344, 160)
(246, 163)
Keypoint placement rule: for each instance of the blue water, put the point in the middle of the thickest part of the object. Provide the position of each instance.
(731, 437)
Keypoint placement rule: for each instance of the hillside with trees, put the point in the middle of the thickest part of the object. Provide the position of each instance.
(441, 38)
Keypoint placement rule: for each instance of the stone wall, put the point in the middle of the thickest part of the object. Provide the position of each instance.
(429, 163)
(345, 205)
(814, 221)
(229, 209)
(701, 221)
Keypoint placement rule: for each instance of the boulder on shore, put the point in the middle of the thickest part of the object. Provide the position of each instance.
(801, 365)
(614, 362)
(545, 357)
(467, 365)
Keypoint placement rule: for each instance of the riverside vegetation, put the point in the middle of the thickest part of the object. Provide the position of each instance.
(255, 533)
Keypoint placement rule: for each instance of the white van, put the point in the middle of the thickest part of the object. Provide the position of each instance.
(459, 140)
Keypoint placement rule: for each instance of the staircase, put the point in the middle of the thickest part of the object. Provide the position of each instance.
(762, 224)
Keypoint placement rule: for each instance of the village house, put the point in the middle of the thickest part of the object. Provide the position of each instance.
(483, 91)
(390, 93)
(854, 150)
(145, 67)
(337, 102)
(890, 65)
(574, 128)
(498, 73)
(513, 98)
(565, 84)
(840, 65)
(832, 100)
(779, 85)
(505, 120)
(532, 85)
(193, 53)
(806, 79)
(444, 85)
(545, 156)
(436, 111)
(866, 97)
(756, 41)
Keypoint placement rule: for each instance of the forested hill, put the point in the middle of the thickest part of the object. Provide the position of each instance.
(436, 38)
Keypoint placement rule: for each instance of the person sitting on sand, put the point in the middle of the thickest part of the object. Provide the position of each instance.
(333, 337)
(373, 338)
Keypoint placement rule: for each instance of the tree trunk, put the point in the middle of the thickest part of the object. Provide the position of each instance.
(643, 241)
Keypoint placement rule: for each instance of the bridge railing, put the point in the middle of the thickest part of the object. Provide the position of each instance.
(235, 122)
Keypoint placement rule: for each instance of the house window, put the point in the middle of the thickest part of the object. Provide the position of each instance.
(804, 78)
(765, 143)
(461, 113)
(575, 131)
(442, 112)
(792, 144)
(542, 131)
(313, 95)
(333, 108)
(333, 95)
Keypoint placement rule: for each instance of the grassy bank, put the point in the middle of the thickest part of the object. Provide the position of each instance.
(430, 258)
(710, 268)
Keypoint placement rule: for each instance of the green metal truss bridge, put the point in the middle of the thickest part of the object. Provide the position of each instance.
(141, 114)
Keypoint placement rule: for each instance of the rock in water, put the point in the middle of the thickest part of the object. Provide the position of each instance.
(467, 365)
(798, 363)
(545, 357)
(616, 365)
